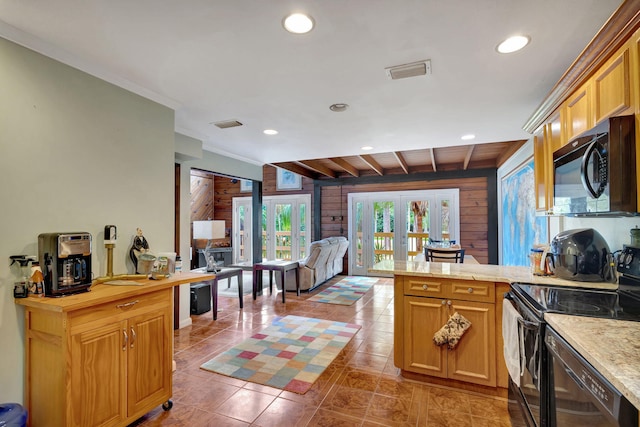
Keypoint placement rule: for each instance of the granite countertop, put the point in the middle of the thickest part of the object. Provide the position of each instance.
(611, 346)
(491, 273)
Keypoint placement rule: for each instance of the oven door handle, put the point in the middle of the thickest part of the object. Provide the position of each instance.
(533, 326)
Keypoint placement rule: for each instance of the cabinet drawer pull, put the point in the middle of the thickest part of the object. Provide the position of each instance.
(425, 287)
(127, 304)
(449, 303)
(443, 302)
(133, 336)
(470, 290)
(126, 340)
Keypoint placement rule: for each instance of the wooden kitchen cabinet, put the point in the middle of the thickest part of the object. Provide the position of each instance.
(578, 112)
(612, 87)
(102, 358)
(131, 359)
(545, 141)
(474, 360)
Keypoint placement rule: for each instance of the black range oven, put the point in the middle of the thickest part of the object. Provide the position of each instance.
(544, 359)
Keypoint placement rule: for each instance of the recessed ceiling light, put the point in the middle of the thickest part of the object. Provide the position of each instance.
(468, 137)
(513, 44)
(298, 23)
(366, 148)
(338, 108)
(270, 132)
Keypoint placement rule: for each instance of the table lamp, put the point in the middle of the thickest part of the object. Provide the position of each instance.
(209, 230)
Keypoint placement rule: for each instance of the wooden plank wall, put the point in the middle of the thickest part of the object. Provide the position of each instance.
(474, 211)
(474, 216)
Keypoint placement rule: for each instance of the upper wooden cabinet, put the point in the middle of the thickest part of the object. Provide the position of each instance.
(539, 170)
(578, 112)
(611, 87)
(545, 141)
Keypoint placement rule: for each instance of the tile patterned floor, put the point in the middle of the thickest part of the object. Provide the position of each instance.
(360, 388)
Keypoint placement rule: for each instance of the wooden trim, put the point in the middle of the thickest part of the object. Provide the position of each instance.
(348, 167)
(317, 212)
(615, 32)
(176, 243)
(256, 209)
(402, 162)
(372, 163)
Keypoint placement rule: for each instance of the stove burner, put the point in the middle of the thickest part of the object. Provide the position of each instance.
(578, 307)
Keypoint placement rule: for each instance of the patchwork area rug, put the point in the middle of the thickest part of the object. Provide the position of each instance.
(290, 354)
(346, 291)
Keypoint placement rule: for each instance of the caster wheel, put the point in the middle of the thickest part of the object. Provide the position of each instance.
(167, 405)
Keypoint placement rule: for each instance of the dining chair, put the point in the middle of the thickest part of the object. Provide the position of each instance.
(444, 255)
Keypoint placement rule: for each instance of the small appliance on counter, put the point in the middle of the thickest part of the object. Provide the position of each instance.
(65, 259)
(583, 255)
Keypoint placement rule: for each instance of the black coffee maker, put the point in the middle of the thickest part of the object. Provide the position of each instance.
(65, 259)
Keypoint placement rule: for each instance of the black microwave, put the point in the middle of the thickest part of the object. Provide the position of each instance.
(595, 174)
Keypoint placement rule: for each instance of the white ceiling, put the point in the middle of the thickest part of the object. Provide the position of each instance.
(215, 60)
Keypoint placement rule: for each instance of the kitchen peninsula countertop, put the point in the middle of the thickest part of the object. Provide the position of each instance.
(611, 346)
(485, 272)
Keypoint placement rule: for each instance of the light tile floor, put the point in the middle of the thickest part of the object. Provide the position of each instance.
(360, 388)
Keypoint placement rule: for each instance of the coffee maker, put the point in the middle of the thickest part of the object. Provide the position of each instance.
(65, 259)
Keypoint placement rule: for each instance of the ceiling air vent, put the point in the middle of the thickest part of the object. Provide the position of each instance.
(413, 69)
(228, 124)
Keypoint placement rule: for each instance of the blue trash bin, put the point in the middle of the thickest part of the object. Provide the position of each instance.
(12, 415)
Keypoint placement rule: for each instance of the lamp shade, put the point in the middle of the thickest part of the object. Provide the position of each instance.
(208, 229)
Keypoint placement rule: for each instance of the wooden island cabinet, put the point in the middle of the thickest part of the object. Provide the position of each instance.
(424, 304)
(427, 293)
(474, 358)
(101, 358)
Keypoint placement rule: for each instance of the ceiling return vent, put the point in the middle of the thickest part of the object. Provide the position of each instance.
(228, 124)
(413, 69)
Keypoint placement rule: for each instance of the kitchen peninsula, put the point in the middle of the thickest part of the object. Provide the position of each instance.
(102, 357)
(427, 294)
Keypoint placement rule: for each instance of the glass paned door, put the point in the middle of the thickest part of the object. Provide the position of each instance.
(383, 230)
(357, 237)
(283, 234)
(417, 228)
(242, 226)
(285, 221)
(396, 226)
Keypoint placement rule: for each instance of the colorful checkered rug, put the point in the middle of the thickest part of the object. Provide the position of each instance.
(346, 291)
(290, 354)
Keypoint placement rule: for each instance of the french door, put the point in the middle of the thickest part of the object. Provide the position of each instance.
(395, 226)
(242, 230)
(286, 222)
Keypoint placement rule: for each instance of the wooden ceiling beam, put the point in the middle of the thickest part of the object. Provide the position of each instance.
(346, 166)
(318, 167)
(432, 152)
(403, 163)
(296, 168)
(512, 147)
(368, 159)
(467, 158)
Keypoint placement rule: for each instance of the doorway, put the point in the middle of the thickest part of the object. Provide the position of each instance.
(396, 226)
(286, 221)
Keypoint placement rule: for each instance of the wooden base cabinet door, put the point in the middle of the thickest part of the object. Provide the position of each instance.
(422, 318)
(474, 358)
(97, 388)
(149, 360)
